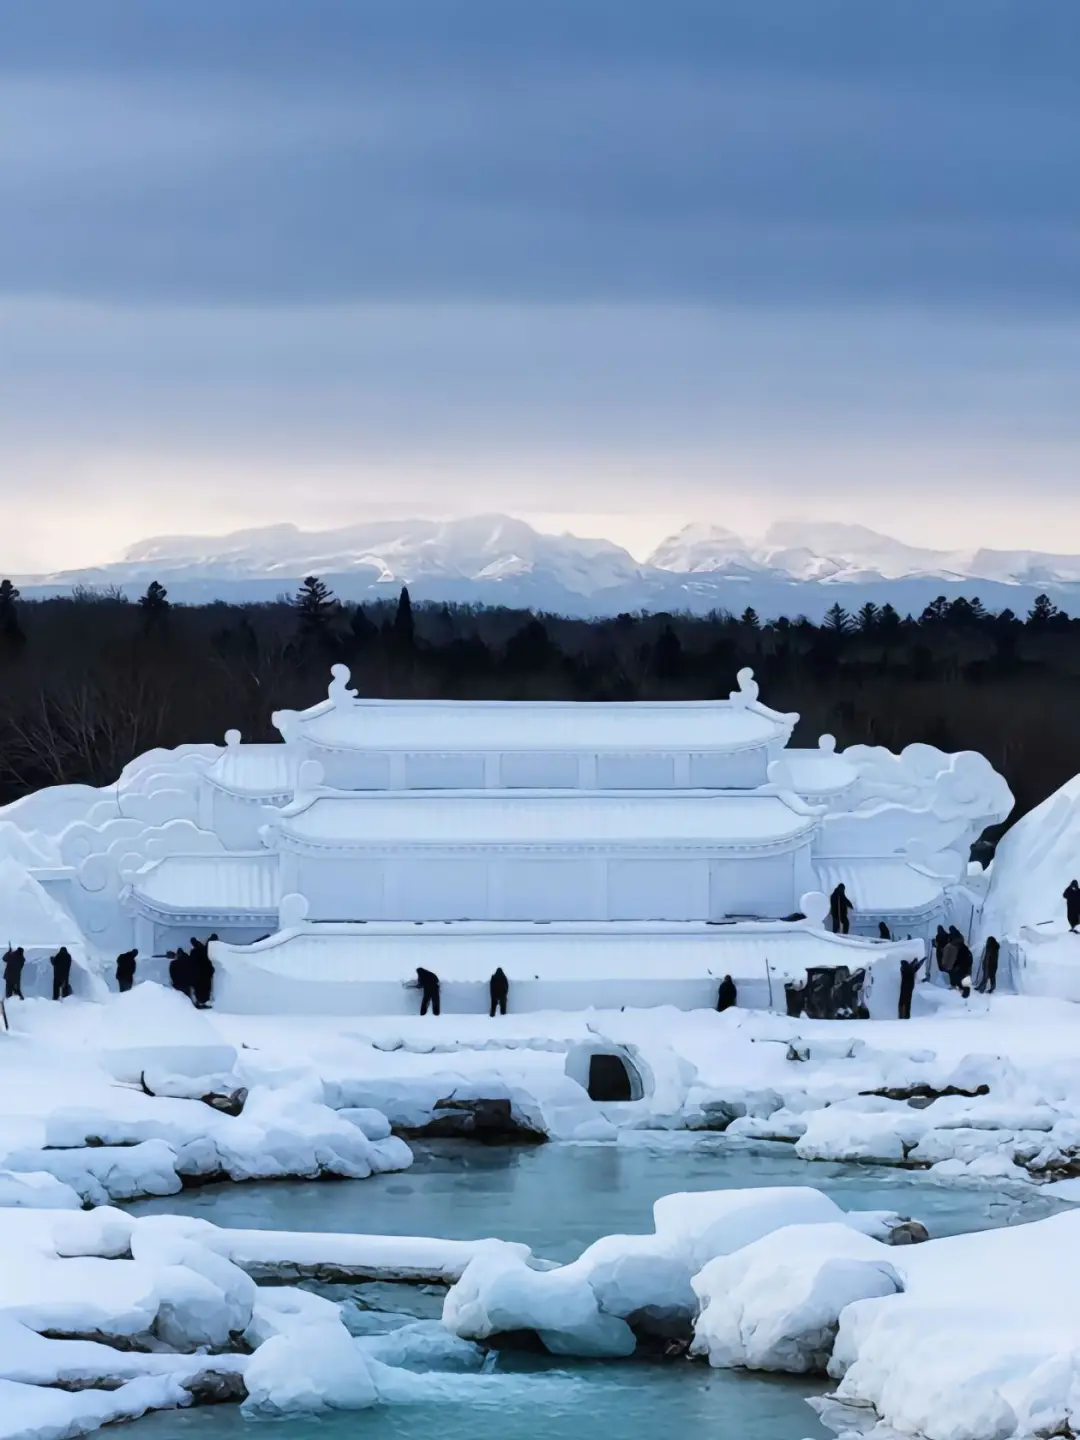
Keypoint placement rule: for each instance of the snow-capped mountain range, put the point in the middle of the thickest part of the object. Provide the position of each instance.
(796, 568)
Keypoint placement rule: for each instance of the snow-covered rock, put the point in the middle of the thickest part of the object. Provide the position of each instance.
(983, 1342)
(775, 1304)
(499, 1294)
(104, 1173)
(627, 1283)
(37, 1190)
(308, 1370)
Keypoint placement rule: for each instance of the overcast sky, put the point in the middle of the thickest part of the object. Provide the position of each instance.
(612, 264)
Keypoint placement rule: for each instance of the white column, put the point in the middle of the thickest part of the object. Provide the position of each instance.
(682, 771)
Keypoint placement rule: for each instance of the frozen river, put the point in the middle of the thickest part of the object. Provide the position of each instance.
(558, 1199)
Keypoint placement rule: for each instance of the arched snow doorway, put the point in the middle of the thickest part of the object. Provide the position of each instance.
(608, 1073)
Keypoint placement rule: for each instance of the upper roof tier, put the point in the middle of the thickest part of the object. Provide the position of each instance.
(344, 722)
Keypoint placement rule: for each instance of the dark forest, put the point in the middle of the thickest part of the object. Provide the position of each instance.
(91, 680)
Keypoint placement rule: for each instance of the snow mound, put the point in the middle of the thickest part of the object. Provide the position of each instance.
(1033, 863)
(36, 1190)
(305, 1371)
(623, 1284)
(156, 1028)
(499, 1294)
(103, 1173)
(1008, 1293)
(776, 1304)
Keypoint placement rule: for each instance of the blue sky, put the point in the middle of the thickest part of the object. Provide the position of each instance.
(606, 263)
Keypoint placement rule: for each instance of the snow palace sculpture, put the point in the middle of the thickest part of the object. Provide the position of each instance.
(601, 853)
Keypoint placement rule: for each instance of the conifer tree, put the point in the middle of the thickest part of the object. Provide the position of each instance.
(155, 603)
(1042, 612)
(315, 607)
(11, 632)
(404, 630)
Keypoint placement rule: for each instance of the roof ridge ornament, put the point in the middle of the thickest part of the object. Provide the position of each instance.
(339, 694)
(747, 693)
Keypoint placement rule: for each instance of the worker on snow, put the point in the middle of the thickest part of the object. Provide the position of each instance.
(14, 960)
(727, 995)
(202, 972)
(840, 907)
(909, 972)
(499, 989)
(1071, 897)
(125, 970)
(61, 968)
(427, 982)
(962, 967)
(180, 970)
(941, 939)
(989, 967)
(883, 931)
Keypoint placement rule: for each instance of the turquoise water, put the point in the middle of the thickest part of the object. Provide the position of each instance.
(625, 1402)
(558, 1199)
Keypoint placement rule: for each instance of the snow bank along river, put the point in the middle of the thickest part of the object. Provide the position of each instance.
(669, 1232)
(560, 1200)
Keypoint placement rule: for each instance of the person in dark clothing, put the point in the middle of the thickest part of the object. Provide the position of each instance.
(884, 933)
(61, 971)
(1071, 897)
(125, 970)
(727, 995)
(962, 967)
(14, 960)
(795, 997)
(427, 982)
(499, 988)
(948, 957)
(941, 939)
(202, 972)
(989, 967)
(909, 973)
(840, 907)
(180, 970)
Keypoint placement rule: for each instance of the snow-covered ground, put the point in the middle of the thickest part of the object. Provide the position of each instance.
(73, 1079)
(779, 1280)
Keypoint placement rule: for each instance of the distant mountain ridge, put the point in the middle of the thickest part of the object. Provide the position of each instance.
(798, 567)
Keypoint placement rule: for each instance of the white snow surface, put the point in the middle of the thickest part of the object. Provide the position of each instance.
(1024, 905)
(775, 1304)
(585, 1308)
(769, 1298)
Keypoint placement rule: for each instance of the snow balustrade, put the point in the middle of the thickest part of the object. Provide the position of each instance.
(365, 969)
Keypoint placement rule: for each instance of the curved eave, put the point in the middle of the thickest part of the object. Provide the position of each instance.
(652, 847)
(165, 914)
(253, 797)
(549, 748)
